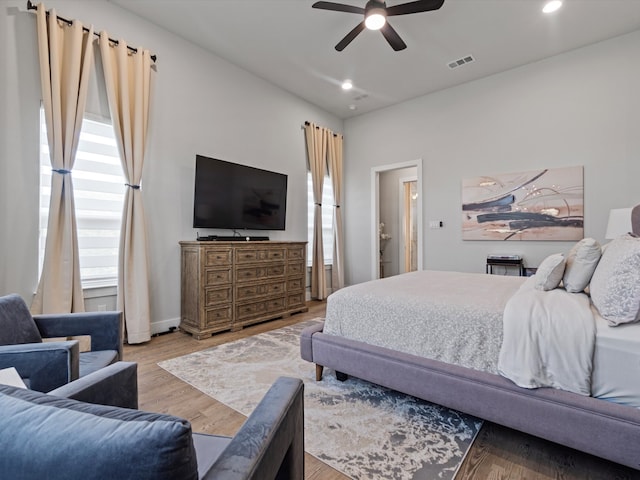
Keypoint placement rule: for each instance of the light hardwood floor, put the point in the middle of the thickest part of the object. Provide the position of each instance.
(497, 454)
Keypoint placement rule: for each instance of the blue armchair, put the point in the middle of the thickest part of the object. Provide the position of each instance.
(42, 436)
(115, 385)
(45, 366)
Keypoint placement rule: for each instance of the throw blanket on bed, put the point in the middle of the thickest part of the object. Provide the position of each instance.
(447, 316)
(549, 339)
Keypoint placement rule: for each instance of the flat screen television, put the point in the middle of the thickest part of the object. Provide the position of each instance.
(232, 196)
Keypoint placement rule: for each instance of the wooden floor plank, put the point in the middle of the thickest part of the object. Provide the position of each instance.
(498, 453)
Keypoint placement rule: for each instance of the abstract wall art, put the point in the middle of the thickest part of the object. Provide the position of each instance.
(545, 204)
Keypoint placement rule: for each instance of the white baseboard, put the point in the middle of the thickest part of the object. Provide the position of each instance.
(164, 325)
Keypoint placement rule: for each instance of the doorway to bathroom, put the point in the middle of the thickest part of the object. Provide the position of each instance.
(396, 223)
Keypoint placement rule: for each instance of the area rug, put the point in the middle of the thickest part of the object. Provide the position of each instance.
(362, 430)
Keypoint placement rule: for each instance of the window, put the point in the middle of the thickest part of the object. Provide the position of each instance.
(327, 219)
(99, 189)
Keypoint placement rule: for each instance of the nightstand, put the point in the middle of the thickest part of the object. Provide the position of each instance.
(507, 261)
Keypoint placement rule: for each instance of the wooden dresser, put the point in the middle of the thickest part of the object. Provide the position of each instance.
(228, 285)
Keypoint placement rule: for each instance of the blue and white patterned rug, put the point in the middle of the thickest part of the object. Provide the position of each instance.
(362, 430)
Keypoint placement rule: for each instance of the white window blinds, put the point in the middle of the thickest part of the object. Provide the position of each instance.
(327, 219)
(99, 189)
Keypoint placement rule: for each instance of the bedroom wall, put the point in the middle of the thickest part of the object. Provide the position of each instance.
(579, 108)
(201, 104)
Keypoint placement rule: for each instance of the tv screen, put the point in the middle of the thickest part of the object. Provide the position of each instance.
(228, 195)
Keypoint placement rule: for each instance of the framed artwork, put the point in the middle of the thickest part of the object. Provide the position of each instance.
(545, 204)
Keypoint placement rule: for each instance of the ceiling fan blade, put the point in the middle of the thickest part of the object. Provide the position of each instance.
(413, 7)
(338, 7)
(350, 36)
(392, 37)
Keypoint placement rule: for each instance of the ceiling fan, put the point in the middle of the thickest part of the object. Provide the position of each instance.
(375, 18)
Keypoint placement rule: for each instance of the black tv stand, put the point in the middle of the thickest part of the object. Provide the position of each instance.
(231, 238)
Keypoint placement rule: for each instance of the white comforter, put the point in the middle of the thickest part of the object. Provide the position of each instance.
(548, 339)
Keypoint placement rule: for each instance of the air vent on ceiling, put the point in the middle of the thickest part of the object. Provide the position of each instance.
(461, 61)
(361, 97)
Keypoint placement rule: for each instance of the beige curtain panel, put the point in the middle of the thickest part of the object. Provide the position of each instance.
(316, 140)
(66, 56)
(127, 78)
(335, 173)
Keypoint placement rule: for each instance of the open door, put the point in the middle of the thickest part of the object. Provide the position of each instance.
(387, 255)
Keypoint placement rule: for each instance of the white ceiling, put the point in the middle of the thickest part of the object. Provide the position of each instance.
(292, 45)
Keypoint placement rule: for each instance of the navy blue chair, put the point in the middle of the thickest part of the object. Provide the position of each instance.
(45, 366)
(46, 436)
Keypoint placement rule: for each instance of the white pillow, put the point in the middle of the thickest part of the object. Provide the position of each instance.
(615, 285)
(550, 271)
(582, 261)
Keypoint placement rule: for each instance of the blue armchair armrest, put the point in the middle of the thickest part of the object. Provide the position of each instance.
(43, 366)
(270, 444)
(105, 328)
(115, 385)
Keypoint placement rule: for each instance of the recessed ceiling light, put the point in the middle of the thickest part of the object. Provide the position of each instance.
(352, 107)
(347, 85)
(552, 6)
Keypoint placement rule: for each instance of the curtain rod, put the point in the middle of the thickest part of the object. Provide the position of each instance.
(31, 6)
(317, 127)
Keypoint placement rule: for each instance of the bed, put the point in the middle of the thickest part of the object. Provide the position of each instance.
(535, 354)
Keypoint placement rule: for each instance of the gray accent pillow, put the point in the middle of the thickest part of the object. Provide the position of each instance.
(549, 273)
(581, 262)
(17, 326)
(615, 285)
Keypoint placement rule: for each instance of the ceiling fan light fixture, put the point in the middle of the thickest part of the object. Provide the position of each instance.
(375, 18)
(552, 6)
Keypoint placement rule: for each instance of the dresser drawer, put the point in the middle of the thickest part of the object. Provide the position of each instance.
(259, 272)
(248, 292)
(217, 276)
(296, 300)
(275, 304)
(214, 257)
(247, 256)
(275, 254)
(259, 255)
(251, 310)
(294, 284)
(295, 268)
(218, 317)
(217, 295)
(295, 253)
